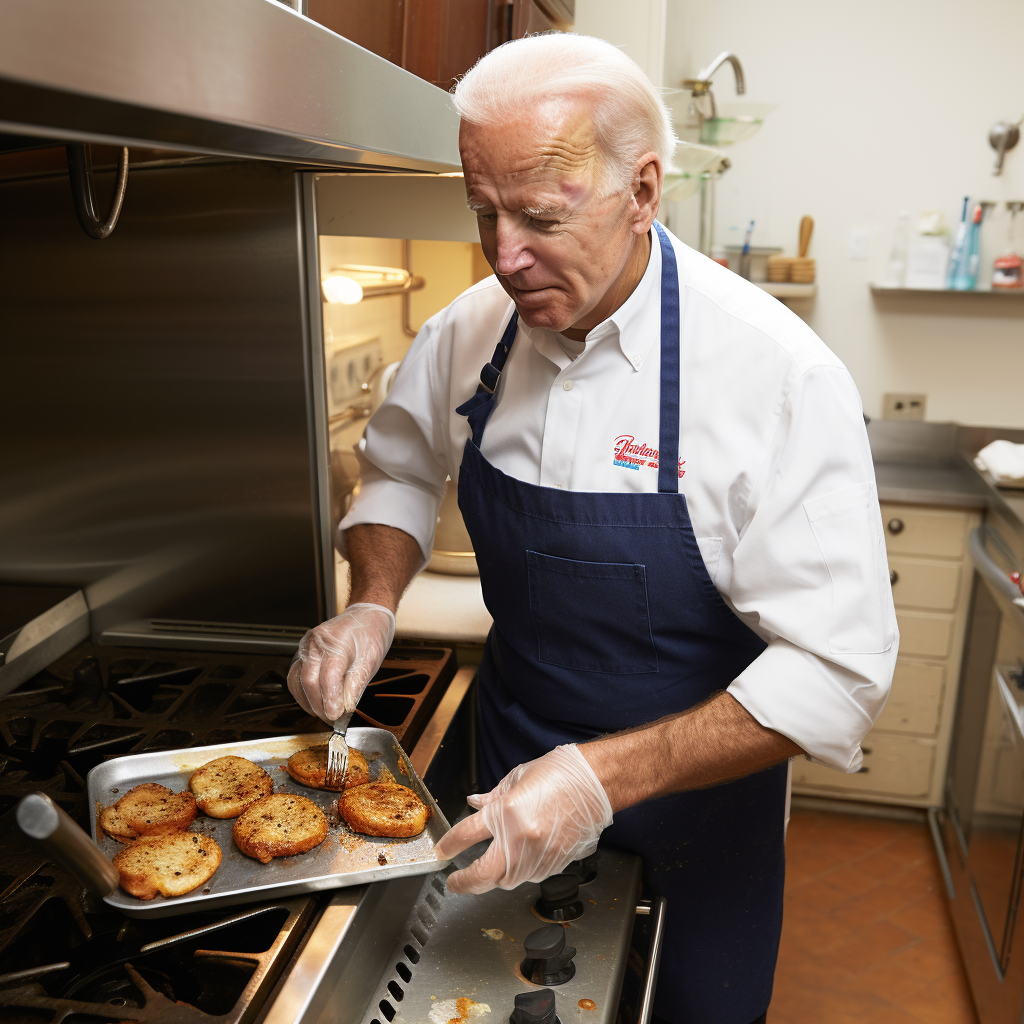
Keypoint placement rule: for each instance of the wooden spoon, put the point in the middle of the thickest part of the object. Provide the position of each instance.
(806, 228)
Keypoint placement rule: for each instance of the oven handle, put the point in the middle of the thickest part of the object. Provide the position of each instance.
(990, 569)
(650, 983)
(67, 843)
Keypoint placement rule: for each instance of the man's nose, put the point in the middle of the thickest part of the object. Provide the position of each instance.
(513, 254)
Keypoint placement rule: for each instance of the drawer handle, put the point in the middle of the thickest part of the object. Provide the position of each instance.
(894, 577)
(895, 525)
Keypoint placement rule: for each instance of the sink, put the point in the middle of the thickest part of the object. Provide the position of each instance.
(734, 122)
(690, 161)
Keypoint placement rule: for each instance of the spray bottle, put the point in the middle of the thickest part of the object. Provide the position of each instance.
(966, 279)
(1008, 269)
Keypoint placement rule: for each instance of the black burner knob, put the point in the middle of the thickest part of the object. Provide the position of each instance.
(548, 959)
(559, 898)
(585, 870)
(536, 1007)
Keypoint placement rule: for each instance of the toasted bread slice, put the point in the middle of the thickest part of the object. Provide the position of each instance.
(279, 825)
(226, 786)
(384, 809)
(170, 865)
(309, 767)
(148, 809)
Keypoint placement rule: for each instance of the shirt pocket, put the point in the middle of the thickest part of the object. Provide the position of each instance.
(847, 526)
(591, 616)
(710, 549)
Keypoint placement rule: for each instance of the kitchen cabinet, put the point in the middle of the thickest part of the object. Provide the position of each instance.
(905, 753)
(439, 40)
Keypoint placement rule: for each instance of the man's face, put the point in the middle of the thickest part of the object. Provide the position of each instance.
(555, 244)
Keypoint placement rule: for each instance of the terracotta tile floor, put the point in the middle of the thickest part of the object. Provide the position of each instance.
(866, 937)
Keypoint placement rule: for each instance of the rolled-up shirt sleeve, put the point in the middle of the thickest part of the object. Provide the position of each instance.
(403, 464)
(810, 573)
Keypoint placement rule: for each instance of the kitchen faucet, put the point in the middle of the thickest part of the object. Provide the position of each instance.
(703, 97)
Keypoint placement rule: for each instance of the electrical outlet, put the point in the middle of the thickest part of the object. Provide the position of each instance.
(903, 406)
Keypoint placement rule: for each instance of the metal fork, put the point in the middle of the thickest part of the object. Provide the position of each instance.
(337, 754)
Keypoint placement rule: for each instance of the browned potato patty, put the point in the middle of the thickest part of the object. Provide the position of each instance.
(309, 767)
(170, 865)
(148, 810)
(384, 809)
(279, 825)
(226, 786)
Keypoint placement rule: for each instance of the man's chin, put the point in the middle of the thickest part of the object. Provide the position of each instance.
(548, 317)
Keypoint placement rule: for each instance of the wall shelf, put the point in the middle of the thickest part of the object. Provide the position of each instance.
(995, 294)
(788, 290)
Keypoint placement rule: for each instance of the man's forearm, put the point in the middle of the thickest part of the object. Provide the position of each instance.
(383, 561)
(714, 742)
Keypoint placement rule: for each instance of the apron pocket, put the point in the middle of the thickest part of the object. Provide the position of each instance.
(591, 616)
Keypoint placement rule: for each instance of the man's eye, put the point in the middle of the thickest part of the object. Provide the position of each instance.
(543, 225)
(490, 218)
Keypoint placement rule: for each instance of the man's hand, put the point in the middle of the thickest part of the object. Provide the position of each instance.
(542, 815)
(338, 658)
(551, 811)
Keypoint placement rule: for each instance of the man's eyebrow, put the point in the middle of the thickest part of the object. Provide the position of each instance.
(475, 205)
(551, 210)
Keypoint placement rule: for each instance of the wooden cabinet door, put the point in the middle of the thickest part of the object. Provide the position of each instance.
(377, 25)
(445, 38)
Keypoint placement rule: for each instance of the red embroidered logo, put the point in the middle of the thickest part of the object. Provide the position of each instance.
(628, 453)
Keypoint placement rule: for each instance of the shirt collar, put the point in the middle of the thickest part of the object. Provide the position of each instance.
(636, 324)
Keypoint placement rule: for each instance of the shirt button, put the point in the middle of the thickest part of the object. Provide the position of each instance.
(567, 385)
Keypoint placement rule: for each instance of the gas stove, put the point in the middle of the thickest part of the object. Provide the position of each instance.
(579, 948)
(66, 956)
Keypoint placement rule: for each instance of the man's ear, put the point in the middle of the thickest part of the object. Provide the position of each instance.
(648, 179)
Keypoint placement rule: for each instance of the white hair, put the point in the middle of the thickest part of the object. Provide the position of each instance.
(629, 117)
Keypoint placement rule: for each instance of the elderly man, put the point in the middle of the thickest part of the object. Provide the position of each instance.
(669, 489)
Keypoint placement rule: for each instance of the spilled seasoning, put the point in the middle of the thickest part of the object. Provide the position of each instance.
(456, 1011)
(587, 1004)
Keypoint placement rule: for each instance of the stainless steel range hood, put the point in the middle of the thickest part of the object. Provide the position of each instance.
(239, 78)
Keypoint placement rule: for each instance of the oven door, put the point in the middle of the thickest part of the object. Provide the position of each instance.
(983, 821)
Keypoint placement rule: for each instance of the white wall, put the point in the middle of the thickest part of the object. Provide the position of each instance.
(637, 26)
(883, 105)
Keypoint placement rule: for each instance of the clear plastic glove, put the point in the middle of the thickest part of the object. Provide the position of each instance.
(338, 658)
(542, 815)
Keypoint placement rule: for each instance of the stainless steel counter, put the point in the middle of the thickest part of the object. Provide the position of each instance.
(954, 484)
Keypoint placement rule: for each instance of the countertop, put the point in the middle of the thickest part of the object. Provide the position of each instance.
(915, 463)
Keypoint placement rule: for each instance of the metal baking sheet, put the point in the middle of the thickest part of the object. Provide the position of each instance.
(343, 858)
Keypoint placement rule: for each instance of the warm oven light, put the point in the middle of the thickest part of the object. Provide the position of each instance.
(341, 288)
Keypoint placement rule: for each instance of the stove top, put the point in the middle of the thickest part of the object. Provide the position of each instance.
(67, 957)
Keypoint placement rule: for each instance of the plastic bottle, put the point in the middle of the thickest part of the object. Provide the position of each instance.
(956, 257)
(896, 271)
(966, 279)
(1008, 270)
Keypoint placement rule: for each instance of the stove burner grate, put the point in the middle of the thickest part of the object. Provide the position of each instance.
(65, 957)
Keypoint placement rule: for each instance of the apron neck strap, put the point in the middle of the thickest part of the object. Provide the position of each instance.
(479, 408)
(668, 433)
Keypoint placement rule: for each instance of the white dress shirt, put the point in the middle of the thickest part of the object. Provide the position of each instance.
(776, 467)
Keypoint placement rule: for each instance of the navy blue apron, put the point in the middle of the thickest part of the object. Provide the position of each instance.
(605, 618)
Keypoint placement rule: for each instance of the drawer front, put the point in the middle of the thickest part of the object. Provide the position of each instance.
(915, 701)
(919, 531)
(893, 766)
(920, 584)
(925, 634)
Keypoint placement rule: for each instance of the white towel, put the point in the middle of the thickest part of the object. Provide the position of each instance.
(1005, 461)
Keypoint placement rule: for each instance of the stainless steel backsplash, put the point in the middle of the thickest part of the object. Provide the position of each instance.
(154, 437)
